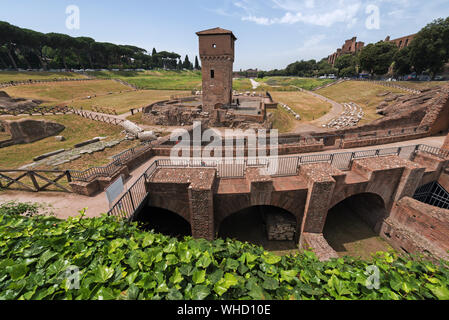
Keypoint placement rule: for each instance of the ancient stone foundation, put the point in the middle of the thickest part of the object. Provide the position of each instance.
(280, 227)
(27, 130)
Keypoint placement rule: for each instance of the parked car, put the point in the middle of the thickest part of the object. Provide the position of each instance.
(439, 78)
(411, 77)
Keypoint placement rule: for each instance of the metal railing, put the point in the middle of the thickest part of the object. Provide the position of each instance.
(433, 194)
(134, 198)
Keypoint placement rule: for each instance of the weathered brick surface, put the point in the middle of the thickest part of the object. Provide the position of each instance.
(417, 227)
(321, 185)
(316, 243)
(446, 143)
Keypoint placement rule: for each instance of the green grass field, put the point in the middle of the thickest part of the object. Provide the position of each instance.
(365, 94)
(7, 76)
(282, 120)
(66, 92)
(123, 102)
(290, 83)
(77, 130)
(306, 105)
(421, 85)
(157, 80)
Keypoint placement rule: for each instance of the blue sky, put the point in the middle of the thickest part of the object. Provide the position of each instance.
(271, 33)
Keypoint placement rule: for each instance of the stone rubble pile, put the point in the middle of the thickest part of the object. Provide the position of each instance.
(350, 117)
(290, 110)
(280, 227)
(73, 154)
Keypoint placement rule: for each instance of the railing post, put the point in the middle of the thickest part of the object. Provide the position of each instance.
(132, 201)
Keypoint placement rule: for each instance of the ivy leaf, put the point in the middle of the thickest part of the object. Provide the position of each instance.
(176, 277)
(288, 275)
(271, 259)
(200, 292)
(103, 274)
(45, 257)
(270, 284)
(174, 294)
(442, 293)
(17, 271)
(204, 261)
(148, 240)
(199, 276)
(105, 294)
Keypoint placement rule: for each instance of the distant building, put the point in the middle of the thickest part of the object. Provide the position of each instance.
(351, 46)
(250, 73)
(402, 42)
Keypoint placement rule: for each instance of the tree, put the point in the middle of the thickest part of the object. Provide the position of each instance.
(402, 62)
(197, 64)
(346, 65)
(377, 58)
(8, 37)
(187, 64)
(430, 48)
(22, 47)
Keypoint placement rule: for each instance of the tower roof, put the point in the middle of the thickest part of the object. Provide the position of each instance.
(215, 31)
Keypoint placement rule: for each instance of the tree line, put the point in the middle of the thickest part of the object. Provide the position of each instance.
(29, 49)
(428, 52)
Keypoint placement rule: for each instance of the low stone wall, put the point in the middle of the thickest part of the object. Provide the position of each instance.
(365, 142)
(282, 150)
(315, 242)
(415, 227)
(280, 227)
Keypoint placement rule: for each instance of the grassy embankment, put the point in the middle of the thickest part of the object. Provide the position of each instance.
(77, 130)
(365, 94)
(7, 76)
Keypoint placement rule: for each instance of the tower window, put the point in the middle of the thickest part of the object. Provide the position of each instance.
(212, 74)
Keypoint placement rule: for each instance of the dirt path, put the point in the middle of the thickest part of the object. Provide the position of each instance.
(316, 125)
(254, 83)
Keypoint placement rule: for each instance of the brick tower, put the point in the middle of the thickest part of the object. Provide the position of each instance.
(217, 60)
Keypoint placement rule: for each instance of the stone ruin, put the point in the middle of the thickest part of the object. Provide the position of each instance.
(8, 103)
(280, 227)
(29, 130)
(430, 109)
(246, 111)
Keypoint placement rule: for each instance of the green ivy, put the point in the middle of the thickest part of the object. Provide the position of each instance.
(118, 261)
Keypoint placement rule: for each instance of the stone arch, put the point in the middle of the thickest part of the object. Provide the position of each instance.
(353, 225)
(164, 221)
(249, 223)
(228, 206)
(371, 207)
(179, 205)
(340, 197)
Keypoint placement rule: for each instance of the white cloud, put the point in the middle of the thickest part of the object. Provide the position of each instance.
(327, 19)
